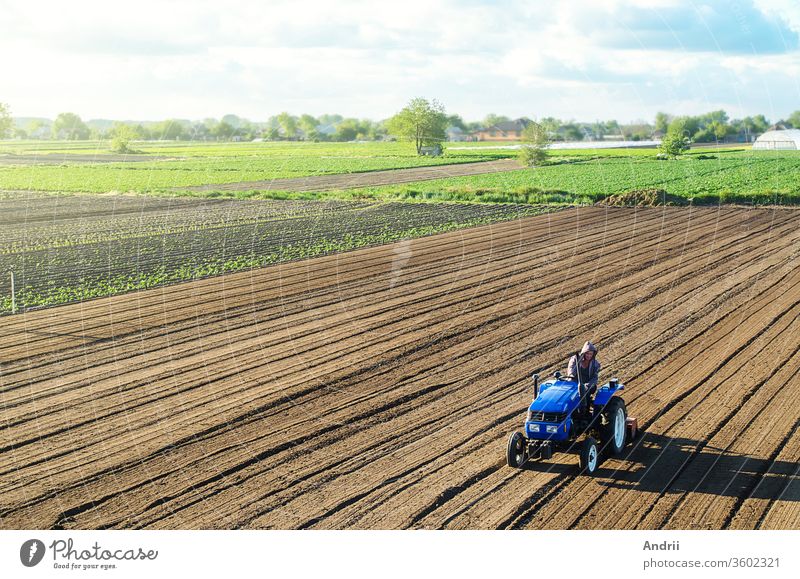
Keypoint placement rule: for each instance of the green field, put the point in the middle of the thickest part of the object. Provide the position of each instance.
(736, 177)
(76, 247)
(71, 246)
(575, 176)
(200, 164)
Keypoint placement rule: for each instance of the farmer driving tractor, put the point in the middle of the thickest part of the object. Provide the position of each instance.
(589, 367)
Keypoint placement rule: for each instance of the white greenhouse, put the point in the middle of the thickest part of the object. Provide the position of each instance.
(788, 140)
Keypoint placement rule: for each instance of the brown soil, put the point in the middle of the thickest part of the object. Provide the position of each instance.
(377, 388)
(368, 179)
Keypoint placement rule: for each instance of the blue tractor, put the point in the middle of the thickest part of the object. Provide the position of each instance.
(557, 420)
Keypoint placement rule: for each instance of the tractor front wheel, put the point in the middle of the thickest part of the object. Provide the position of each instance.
(589, 455)
(516, 451)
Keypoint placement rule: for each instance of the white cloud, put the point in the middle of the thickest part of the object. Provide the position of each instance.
(787, 10)
(582, 59)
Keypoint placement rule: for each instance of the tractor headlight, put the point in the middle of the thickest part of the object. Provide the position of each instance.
(552, 428)
(533, 427)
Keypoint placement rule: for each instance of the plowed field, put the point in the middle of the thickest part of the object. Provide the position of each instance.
(376, 388)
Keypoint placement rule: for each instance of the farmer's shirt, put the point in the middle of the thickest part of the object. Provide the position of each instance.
(585, 373)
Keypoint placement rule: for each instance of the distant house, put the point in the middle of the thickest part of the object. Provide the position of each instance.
(454, 134)
(42, 132)
(778, 127)
(505, 131)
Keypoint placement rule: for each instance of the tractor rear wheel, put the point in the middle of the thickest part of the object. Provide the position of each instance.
(613, 431)
(516, 451)
(589, 455)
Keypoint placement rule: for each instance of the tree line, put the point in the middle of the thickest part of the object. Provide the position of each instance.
(714, 126)
(284, 126)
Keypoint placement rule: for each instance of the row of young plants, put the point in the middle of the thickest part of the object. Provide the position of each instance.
(51, 270)
(743, 177)
(34, 221)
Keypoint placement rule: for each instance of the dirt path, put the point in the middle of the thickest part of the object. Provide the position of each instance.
(376, 388)
(367, 179)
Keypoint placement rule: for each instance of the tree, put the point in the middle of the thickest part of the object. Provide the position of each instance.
(308, 125)
(718, 129)
(346, 130)
(377, 131)
(457, 121)
(122, 135)
(637, 131)
(289, 125)
(676, 141)
(533, 152)
(246, 130)
(599, 130)
(794, 120)
(752, 126)
(223, 130)
(493, 119)
(35, 128)
(571, 132)
(200, 131)
(420, 121)
(169, 130)
(719, 116)
(6, 122)
(232, 120)
(143, 132)
(70, 126)
(662, 122)
(613, 128)
(327, 119)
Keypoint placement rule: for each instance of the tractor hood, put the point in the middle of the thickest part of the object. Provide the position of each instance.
(558, 397)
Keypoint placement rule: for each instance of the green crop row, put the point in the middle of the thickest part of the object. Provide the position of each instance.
(750, 177)
(82, 247)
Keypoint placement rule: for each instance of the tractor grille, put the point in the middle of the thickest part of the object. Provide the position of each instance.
(548, 416)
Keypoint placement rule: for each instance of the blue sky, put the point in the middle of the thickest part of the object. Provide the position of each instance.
(580, 59)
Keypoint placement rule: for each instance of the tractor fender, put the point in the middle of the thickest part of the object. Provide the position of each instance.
(605, 394)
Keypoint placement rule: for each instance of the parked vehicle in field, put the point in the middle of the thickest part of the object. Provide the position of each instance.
(555, 422)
